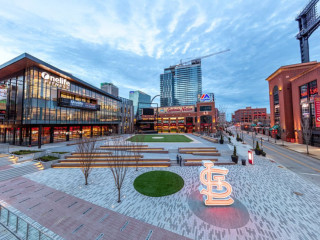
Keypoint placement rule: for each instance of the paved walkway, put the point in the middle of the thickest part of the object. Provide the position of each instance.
(301, 148)
(12, 172)
(74, 218)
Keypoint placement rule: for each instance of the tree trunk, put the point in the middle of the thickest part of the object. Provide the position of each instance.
(86, 178)
(119, 198)
(307, 149)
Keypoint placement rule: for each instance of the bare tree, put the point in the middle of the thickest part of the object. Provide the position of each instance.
(118, 164)
(306, 131)
(87, 148)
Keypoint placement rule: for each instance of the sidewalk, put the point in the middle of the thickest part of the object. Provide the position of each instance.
(301, 148)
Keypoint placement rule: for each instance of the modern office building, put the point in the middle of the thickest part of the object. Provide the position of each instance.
(43, 104)
(140, 100)
(200, 117)
(293, 90)
(126, 116)
(110, 88)
(166, 87)
(181, 84)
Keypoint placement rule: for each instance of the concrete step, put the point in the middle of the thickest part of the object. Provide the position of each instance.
(17, 172)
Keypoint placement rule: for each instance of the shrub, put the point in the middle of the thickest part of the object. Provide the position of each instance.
(47, 158)
(234, 151)
(23, 152)
(257, 146)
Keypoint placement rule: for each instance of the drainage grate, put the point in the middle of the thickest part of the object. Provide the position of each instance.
(7, 191)
(3, 186)
(48, 194)
(30, 186)
(34, 206)
(124, 226)
(104, 217)
(77, 229)
(100, 236)
(86, 211)
(24, 200)
(39, 190)
(15, 195)
(72, 204)
(60, 199)
(149, 235)
(21, 182)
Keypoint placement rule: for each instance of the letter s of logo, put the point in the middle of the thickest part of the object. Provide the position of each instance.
(45, 75)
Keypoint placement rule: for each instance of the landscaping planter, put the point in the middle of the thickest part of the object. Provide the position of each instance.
(235, 159)
(221, 141)
(244, 162)
(257, 152)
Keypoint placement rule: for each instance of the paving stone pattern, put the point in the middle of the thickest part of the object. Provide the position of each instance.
(266, 190)
(71, 217)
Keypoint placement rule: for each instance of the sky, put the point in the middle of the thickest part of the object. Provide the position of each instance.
(129, 43)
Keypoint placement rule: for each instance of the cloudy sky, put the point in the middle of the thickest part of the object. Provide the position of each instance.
(129, 43)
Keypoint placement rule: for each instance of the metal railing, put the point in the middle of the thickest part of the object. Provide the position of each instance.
(19, 227)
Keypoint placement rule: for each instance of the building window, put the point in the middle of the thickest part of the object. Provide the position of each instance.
(307, 93)
(205, 108)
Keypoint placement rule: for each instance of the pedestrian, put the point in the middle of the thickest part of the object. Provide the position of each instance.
(177, 159)
(180, 161)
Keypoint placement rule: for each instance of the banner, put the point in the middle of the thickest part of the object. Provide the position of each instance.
(3, 96)
(317, 109)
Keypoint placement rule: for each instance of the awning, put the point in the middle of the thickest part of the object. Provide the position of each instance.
(275, 127)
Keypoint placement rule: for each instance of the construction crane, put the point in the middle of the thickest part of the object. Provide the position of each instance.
(206, 56)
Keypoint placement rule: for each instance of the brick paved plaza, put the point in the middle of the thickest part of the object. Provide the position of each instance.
(271, 202)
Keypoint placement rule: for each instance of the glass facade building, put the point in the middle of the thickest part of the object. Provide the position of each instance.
(140, 100)
(40, 104)
(181, 85)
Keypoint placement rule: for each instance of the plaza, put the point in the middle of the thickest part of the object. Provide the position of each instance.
(270, 201)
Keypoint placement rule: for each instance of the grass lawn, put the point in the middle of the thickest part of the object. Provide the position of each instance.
(47, 158)
(23, 152)
(159, 138)
(158, 183)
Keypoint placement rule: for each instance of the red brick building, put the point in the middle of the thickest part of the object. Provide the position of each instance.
(292, 90)
(250, 115)
(192, 118)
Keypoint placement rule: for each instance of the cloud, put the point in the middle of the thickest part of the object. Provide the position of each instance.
(130, 42)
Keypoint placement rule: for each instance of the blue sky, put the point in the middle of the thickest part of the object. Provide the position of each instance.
(129, 43)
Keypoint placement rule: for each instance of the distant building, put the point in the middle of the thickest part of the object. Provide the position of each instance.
(222, 117)
(140, 100)
(293, 90)
(250, 115)
(200, 117)
(126, 116)
(110, 88)
(181, 84)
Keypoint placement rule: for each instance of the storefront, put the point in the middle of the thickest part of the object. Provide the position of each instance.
(41, 104)
(185, 119)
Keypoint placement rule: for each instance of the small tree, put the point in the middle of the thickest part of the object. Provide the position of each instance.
(306, 131)
(234, 151)
(257, 146)
(118, 164)
(86, 147)
(137, 145)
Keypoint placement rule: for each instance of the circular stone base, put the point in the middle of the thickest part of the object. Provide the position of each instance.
(233, 216)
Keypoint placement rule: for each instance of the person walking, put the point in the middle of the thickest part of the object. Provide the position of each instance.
(177, 159)
(180, 161)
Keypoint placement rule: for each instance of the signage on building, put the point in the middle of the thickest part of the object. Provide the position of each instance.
(3, 96)
(65, 102)
(317, 110)
(207, 97)
(182, 109)
(55, 81)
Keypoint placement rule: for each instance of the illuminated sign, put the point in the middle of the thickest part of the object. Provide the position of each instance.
(250, 157)
(55, 81)
(216, 190)
(65, 102)
(181, 109)
(207, 97)
(317, 110)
